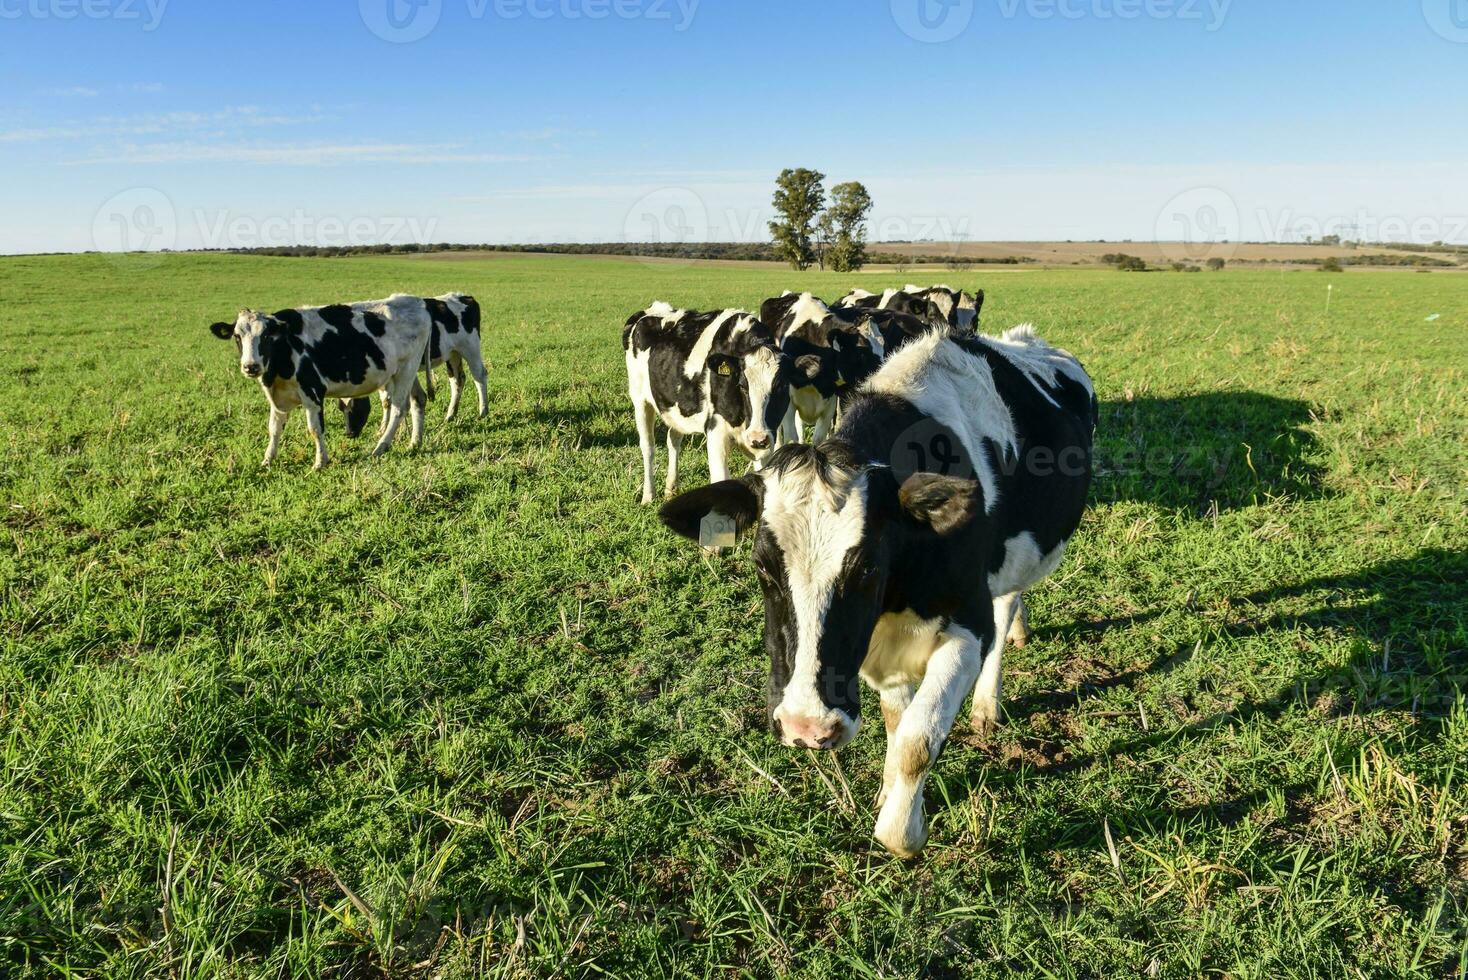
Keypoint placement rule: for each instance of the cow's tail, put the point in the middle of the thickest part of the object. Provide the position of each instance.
(428, 360)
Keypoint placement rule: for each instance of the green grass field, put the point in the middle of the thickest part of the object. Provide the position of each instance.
(472, 711)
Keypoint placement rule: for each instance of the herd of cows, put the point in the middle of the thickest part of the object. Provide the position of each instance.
(945, 474)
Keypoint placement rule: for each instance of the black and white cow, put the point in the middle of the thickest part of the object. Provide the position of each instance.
(939, 304)
(456, 345)
(303, 357)
(831, 354)
(717, 373)
(897, 551)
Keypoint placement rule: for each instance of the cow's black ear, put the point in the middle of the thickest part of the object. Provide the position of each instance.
(944, 503)
(223, 331)
(737, 500)
(979, 301)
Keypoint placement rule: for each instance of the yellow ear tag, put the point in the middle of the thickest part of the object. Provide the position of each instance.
(725, 371)
(840, 381)
(717, 532)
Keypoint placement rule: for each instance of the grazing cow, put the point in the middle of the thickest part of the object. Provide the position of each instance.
(304, 356)
(718, 373)
(456, 345)
(897, 551)
(938, 304)
(831, 354)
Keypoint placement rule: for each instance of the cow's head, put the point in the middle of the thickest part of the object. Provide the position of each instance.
(263, 342)
(859, 351)
(750, 390)
(830, 525)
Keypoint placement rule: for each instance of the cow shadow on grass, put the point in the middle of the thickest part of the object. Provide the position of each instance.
(1406, 623)
(1223, 450)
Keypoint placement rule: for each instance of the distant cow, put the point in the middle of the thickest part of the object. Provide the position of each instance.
(898, 550)
(718, 373)
(939, 304)
(304, 356)
(830, 354)
(456, 345)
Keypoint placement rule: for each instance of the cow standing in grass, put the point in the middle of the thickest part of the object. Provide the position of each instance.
(898, 550)
(302, 357)
(718, 373)
(936, 304)
(456, 345)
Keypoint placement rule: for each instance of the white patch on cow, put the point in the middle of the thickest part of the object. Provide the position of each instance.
(900, 649)
(662, 310)
(1024, 566)
(1040, 362)
(698, 357)
(816, 524)
(889, 296)
(805, 310)
(946, 383)
(851, 298)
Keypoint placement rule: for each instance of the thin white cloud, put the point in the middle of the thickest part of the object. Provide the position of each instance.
(156, 124)
(297, 156)
(73, 92)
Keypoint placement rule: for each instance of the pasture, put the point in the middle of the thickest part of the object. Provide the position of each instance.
(472, 711)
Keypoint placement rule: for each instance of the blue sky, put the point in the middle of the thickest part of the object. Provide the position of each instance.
(188, 123)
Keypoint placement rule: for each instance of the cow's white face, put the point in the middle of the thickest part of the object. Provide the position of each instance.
(829, 525)
(252, 333)
(769, 396)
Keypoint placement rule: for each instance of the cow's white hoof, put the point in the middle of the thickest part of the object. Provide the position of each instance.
(646, 498)
(985, 717)
(901, 830)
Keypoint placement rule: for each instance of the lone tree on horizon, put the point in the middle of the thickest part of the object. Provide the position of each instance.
(850, 205)
(799, 197)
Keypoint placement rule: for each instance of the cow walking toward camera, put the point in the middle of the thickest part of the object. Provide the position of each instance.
(898, 550)
(302, 357)
(457, 345)
(718, 373)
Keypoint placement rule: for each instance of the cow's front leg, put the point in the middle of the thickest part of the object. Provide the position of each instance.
(644, 414)
(824, 422)
(895, 702)
(455, 365)
(1019, 632)
(397, 405)
(902, 827)
(277, 426)
(675, 450)
(718, 454)
(317, 425)
(985, 714)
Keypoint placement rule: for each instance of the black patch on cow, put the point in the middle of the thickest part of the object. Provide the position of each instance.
(375, 324)
(293, 320)
(471, 315)
(443, 315)
(337, 316)
(345, 354)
